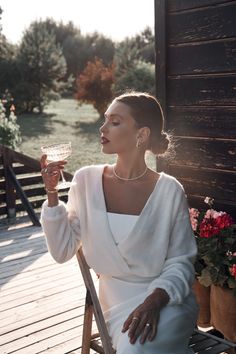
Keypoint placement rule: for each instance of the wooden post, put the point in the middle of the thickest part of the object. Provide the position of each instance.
(10, 189)
(23, 197)
(160, 48)
(87, 325)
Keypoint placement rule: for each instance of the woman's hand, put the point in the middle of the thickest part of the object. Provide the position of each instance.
(51, 172)
(143, 321)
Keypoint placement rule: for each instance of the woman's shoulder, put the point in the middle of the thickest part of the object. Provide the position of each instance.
(90, 170)
(171, 182)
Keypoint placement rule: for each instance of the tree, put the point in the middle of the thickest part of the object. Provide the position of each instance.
(0, 19)
(134, 63)
(9, 75)
(145, 42)
(140, 47)
(78, 49)
(139, 77)
(42, 66)
(94, 85)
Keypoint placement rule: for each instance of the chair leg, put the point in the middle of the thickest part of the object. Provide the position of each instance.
(87, 326)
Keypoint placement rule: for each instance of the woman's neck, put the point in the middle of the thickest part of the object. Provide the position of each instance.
(130, 168)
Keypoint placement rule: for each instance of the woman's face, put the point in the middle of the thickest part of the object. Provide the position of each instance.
(119, 131)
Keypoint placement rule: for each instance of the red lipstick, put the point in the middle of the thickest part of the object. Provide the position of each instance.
(104, 140)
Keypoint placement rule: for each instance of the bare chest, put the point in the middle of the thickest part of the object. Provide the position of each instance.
(127, 198)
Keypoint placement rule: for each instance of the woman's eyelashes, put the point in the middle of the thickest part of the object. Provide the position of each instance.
(115, 123)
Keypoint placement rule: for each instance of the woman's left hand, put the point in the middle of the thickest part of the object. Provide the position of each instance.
(143, 321)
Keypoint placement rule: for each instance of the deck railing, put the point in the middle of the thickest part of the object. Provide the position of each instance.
(21, 185)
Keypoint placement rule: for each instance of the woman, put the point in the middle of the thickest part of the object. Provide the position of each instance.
(134, 227)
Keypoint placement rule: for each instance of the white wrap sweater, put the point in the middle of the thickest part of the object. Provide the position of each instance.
(159, 251)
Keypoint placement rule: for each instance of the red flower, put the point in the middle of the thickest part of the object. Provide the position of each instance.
(233, 271)
(224, 220)
(213, 222)
(208, 228)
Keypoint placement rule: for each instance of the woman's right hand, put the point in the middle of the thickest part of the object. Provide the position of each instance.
(51, 173)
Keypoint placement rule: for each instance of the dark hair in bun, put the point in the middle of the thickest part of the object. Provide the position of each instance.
(147, 112)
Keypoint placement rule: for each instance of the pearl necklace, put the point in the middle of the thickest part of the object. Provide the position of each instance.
(129, 179)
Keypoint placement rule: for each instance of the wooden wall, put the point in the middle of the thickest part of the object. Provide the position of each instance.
(196, 84)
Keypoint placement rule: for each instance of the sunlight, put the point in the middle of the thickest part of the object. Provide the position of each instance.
(115, 19)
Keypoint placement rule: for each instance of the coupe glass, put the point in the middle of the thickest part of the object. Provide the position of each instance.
(58, 152)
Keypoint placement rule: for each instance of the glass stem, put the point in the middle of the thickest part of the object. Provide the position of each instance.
(62, 176)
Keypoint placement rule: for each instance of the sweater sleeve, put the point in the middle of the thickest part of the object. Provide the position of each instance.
(61, 227)
(178, 273)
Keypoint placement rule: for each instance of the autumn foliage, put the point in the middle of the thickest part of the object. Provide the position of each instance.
(94, 85)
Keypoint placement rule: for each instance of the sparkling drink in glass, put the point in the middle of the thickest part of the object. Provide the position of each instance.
(58, 152)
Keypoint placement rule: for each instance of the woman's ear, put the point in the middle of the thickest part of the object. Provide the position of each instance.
(144, 134)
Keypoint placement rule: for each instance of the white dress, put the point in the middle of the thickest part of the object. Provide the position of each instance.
(120, 296)
(153, 250)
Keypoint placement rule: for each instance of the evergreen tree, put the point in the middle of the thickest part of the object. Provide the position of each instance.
(42, 66)
(134, 63)
(0, 19)
(140, 77)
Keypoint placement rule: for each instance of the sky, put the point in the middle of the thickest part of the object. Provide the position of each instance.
(115, 19)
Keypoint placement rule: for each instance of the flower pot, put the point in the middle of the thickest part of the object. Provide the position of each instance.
(203, 299)
(223, 311)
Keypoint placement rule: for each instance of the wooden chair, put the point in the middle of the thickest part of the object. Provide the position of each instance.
(201, 342)
(100, 342)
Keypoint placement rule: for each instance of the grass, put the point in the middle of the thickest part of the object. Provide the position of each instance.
(66, 121)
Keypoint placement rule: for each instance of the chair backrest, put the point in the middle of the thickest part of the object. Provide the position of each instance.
(92, 299)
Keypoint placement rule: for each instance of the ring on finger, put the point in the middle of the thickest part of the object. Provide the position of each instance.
(135, 319)
(44, 170)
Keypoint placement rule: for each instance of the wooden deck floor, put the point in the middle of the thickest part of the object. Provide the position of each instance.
(41, 302)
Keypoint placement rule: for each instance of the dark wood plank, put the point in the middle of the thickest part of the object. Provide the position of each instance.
(37, 203)
(180, 5)
(209, 153)
(35, 192)
(218, 349)
(23, 197)
(200, 182)
(206, 182)
(205, 344)
(208, 57)
(224, 205)
(2, 198)
(213, 22)
(30, 180)
(160, 47)
(210, 90)
(2, 185)
(3, 211)
(24, 169)
(218, 345)
(212, 122)
(196, 337)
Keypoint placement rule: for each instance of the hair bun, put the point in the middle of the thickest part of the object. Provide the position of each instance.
(161, 144)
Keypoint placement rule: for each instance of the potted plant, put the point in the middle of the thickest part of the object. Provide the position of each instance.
(215, 264)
